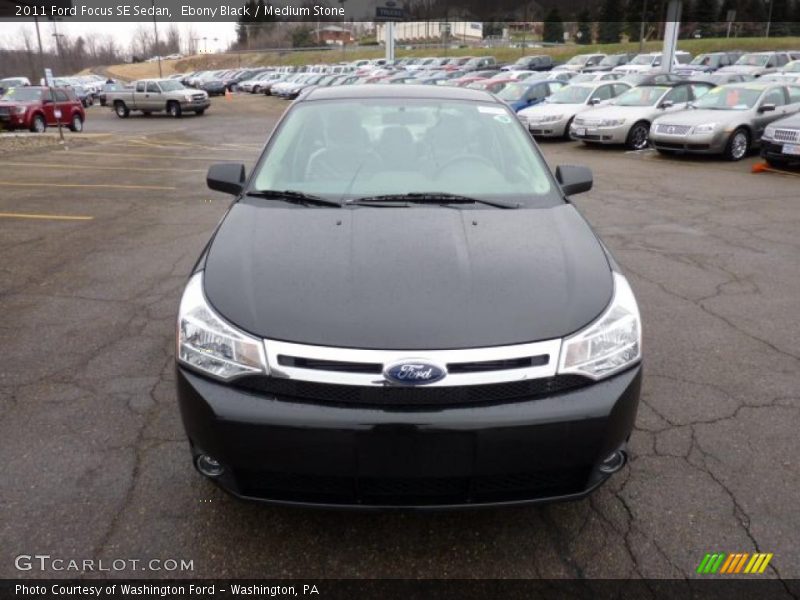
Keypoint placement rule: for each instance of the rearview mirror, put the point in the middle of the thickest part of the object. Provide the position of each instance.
(766, 108)
(227, 178)
(574, 179)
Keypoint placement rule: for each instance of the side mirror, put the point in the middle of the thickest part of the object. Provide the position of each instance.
(766, 108)
(666, 104)
(227, 178)
(574, 180)
(594, 101)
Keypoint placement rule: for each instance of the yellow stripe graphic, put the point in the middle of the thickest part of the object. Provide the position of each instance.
(765, 563)
(752, 563)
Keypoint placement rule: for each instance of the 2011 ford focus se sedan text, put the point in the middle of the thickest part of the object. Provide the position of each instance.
(403, 309)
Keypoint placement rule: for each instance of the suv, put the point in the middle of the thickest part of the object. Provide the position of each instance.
(707, 63)
(651, 62)
(537, 62)
(757, 64)
(610, 62)
(36, 108)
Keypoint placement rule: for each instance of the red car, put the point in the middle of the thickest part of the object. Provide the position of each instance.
(37, 108)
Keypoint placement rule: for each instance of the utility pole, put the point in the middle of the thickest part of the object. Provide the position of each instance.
(769, 17)
(39, 39)
(155, 32)
(642, 27)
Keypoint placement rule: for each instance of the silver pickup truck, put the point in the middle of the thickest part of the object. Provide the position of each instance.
(156, 95)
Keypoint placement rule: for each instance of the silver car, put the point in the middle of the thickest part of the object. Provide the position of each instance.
(627, 118)
(728, 120)
(553, 117)
(579, 62)
(758, 63)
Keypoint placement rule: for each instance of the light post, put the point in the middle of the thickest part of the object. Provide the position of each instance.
(769, 16)
(155, 33)
(642, 27)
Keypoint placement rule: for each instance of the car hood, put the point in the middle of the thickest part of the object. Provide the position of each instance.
(701, 117)
(407, 278)
(742, 69)
(612, 111)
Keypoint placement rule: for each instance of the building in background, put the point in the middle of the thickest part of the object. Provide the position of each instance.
(422, 31)
(333, 34)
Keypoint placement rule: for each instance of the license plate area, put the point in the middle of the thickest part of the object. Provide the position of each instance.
(791, 149)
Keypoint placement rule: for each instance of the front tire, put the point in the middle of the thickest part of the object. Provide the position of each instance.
(121, 110)
(566, 135)
(76, 124)
(174, 110)
(638, 136)
(38, 125)
(199, 112)
(738, 145)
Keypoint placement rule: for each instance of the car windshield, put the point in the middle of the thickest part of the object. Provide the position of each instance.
(583, 77)
(573, 94)
(643, 59)
(792, 67)
(346, 149)
(513, 92)
(610, 61)
(729, 97)
(578, 60)
(753, 60)
(171, 86)
(23, 94)
(702, 59)
(641, 96)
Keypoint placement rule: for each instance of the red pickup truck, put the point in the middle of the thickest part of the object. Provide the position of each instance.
(37, 108)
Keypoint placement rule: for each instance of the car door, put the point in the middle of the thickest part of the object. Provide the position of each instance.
(152, 96)
(777, 97)
(63, 108)
(680, 96)
(139, 95)
(48, 106)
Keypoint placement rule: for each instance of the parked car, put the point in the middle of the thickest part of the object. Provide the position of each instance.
(301, 378)
(757, 64)
(12, 82)
(536, 62)
(493, 86)
(728, 120)
(780, 143)
(707, 62)
(553, 117)
(519, 95)
(627, 118)
(651, 78)
(590, 76)
(516, 75)
(790, 70)
(579, 62)
(723, 78)
(609, 62)
(652, 61)
(156, 95)
(85, 97)
(38, 107)
(213, 86)
(479, 63)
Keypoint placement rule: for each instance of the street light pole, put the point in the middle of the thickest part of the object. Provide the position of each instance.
(155, 32)
(642, 27)
(769, 17)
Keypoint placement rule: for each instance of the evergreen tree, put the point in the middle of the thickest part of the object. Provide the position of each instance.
(706, 11)
(611, 22)
(553, 27)
(584, 27)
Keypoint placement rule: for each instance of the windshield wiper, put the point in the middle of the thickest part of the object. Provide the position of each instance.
(430, 198)
(294, 197)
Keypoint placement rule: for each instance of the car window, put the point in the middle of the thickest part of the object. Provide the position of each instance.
(782, 60)
(794, 94)
(698, 91)
(602, 93)
(679, 94)
(620, 88)
(390, 146)
(140, 86)
(152, 88)
(657, 61)
(775, 96)
(61, 96)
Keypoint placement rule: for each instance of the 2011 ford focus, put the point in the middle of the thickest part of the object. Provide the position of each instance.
(403, 309)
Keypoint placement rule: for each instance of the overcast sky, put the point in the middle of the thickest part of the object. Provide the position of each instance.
(225, 32)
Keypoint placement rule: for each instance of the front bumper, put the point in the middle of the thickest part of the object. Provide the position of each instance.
(600, 135)
(279, 450)
(775, 151)
(706, 143)
(550, 129)
(196, 104)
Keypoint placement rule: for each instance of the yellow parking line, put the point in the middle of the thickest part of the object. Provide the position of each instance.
(95, 168)
(85, 185)
(168, 156)
(45, 217)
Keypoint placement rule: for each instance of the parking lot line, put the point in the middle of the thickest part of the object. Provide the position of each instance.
(4, 215)
(85, 185)
(167, 156)
(96, 168)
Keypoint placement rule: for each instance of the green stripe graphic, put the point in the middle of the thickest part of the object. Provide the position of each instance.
(703, 563)
(718, 564)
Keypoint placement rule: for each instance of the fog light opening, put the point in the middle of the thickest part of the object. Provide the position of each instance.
(209, 466)
(613, 462)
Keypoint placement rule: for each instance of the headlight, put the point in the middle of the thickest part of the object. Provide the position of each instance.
(610, 344)
(20, 110)
(705, 128)
(548, 118)
(611, 122)
(188, 97)
(769, 133)
(210, 345)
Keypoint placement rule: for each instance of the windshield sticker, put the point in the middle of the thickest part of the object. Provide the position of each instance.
(505, 119)
(491, 110)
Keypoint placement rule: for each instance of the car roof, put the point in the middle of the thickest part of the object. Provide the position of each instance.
(423, 92)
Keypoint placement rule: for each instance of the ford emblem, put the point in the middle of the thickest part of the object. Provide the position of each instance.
(414, 372)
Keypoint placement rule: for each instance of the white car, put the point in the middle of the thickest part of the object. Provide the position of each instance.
(644, 63)
(580, 62)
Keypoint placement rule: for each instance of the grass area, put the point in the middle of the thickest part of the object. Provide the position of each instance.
(559, 53)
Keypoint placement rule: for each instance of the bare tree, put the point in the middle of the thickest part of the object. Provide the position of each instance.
(191, 41)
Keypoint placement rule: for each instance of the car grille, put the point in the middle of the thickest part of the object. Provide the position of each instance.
(198, 97)
(412, 491)
(410, 397)
(4, 111)
(787, 135)
(673, 129)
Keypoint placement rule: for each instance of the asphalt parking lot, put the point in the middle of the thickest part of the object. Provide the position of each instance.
(97, 242)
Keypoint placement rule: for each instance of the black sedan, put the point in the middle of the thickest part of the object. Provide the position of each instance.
(403, 309)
